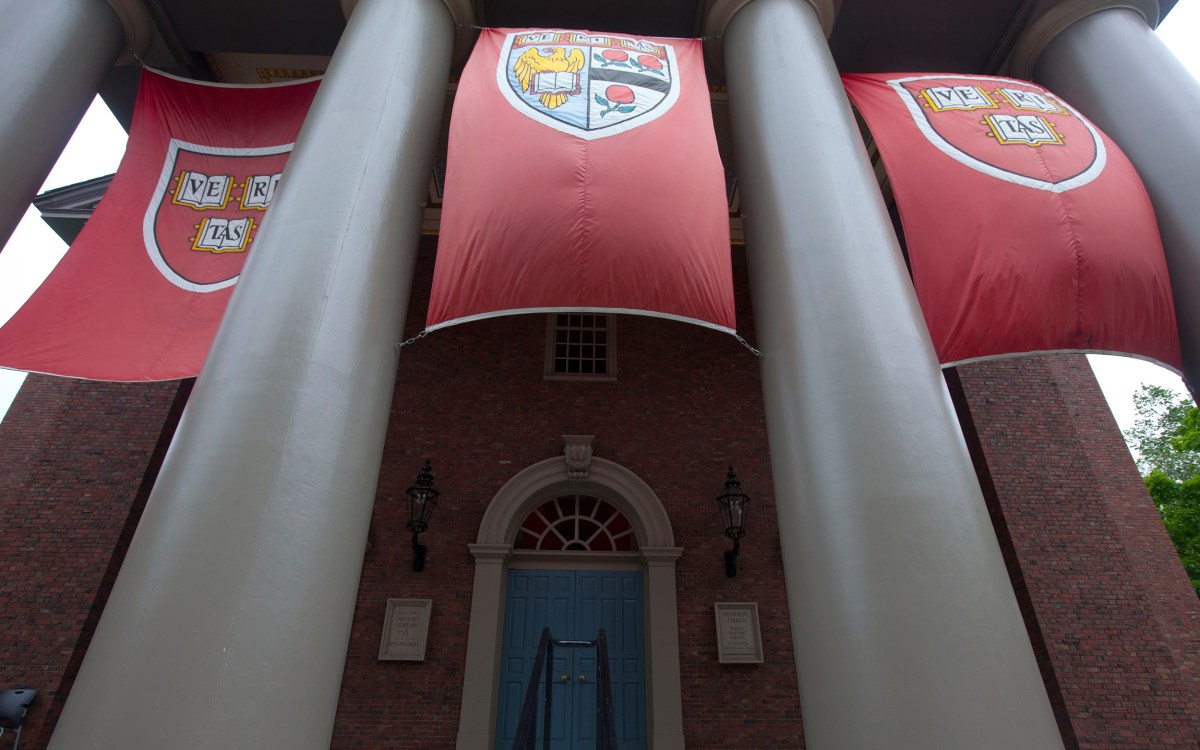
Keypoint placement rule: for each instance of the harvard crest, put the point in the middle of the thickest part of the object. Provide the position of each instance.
(1012, 130)
(206, 211)
(587, 85)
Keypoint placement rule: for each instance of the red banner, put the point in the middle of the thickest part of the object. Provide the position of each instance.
(583, 175)
(1027, 229)
(141, 291)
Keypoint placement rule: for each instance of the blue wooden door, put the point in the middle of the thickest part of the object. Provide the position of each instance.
(575, 605)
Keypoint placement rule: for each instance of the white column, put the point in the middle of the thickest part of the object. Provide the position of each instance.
(54, 53)
(907, 633)
(229, 622)
(1112, 67)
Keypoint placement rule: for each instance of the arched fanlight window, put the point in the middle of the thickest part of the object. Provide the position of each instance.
(576, 523)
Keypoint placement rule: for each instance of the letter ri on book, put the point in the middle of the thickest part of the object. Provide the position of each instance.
(201, 191)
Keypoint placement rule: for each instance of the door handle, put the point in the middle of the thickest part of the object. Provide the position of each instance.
(564, 678)
(583, 678)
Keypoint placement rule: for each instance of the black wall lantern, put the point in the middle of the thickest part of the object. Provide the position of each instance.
(733, 504)
(422, 498)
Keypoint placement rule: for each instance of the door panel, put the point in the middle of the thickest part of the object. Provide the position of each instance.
(575, 604)
(613, 601)
(536, 599)
(583, 703)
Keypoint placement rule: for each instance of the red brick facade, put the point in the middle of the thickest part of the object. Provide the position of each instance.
(472, 398)
(1106, 601)
(77, 461)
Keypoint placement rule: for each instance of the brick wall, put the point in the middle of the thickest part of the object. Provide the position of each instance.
(471, 398)
(77, 460)
(1110, 612)
(1108, 605)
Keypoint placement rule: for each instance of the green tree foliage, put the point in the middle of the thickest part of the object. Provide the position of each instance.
(1160, 414)
(1165, 439)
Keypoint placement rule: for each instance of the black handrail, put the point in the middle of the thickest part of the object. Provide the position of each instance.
(606, 725)
(526, 734)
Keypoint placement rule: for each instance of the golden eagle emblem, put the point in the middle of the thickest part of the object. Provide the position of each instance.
(554, 75)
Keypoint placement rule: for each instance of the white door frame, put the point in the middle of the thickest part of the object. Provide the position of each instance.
(494, 555)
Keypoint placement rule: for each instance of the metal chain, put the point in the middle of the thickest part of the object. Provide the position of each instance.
(420, 335)
(753, 351)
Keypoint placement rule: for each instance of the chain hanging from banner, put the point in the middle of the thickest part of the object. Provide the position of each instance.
(406, 342)
(746, 344)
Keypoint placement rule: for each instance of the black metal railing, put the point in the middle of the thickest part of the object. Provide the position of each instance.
(606, 723)
(526, 734)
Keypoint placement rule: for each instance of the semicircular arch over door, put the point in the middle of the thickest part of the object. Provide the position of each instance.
(494, 554)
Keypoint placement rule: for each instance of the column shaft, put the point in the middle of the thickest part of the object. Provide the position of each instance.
(907, 633)
(1115, 70)
(54, 53)
(666, 718)
(229, 622)
(477, 717)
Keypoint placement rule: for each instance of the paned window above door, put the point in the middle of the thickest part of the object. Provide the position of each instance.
(576, 523)
(581, 346)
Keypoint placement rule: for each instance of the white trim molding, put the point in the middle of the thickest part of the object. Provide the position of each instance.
(607, 480)
(494, 555)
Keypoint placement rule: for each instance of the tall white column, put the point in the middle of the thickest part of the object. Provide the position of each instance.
(1112, 67)
(54, 53)
(906, 631)
(229, 622)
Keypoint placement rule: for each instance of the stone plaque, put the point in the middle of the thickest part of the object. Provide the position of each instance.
(738, 638)
(405, 628)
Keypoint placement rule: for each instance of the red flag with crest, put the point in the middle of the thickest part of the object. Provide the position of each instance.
(1028, 230)
(141, 291)
(583, 175)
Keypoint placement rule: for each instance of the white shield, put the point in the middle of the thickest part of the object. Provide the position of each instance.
(588, 86)
(989, 104)
(206, 209)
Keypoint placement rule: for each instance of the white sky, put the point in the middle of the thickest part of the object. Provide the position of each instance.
(99, 142)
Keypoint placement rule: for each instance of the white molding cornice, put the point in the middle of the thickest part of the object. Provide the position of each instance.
(1042, 30)
(660, 555)
(493, 553)
(138, 28)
